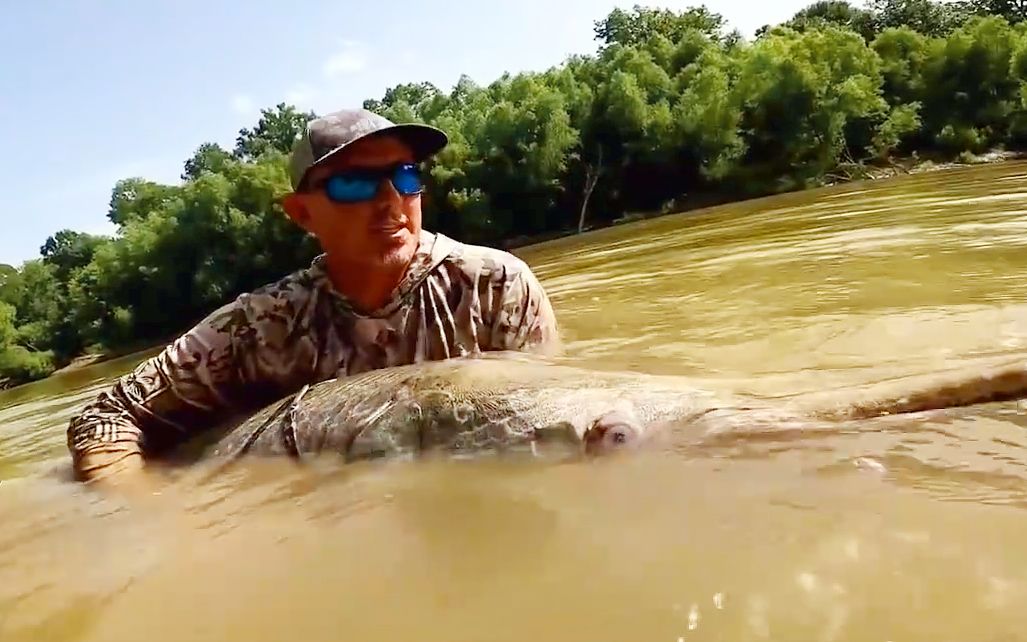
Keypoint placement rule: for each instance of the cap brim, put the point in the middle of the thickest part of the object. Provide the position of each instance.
(423, 140)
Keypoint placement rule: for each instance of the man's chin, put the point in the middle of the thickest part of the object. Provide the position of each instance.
(378, 253)
(395, 254)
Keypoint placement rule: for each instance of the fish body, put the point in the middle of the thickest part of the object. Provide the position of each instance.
(495, 403)
(510, 402)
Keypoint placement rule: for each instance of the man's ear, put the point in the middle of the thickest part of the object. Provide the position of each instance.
(294, 206)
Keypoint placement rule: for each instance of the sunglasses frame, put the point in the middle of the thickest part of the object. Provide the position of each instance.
(392, 173)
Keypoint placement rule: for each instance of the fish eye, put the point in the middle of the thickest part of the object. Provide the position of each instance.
(620, 435)
(611, 432)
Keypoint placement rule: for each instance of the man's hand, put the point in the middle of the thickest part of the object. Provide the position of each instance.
(98, 464)
(119, 471)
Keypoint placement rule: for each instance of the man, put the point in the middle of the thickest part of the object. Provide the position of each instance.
(384, 292)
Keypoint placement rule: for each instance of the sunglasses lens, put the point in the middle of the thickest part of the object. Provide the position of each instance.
(350, 189)
(354, 187)
(407, 180)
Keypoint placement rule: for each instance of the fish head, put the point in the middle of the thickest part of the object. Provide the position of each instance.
(616, 430)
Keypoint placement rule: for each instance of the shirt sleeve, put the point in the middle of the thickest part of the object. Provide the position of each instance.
(170, 397)
(524, 318)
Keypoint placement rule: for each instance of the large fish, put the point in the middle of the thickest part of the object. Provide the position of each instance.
(514, 403)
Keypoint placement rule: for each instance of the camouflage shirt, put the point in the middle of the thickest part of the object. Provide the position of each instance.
(455, 299)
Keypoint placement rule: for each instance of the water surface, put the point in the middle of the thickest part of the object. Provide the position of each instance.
(912, 533)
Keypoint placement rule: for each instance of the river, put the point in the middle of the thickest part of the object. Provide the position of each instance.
(899, 535)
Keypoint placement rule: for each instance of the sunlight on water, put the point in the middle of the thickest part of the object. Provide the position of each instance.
(896, 530)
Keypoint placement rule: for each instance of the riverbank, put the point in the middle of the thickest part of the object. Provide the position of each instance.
(86, 360)
(916, 164)
(845, 173)
(99, 356)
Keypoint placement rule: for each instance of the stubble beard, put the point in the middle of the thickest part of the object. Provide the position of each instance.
(396, 257)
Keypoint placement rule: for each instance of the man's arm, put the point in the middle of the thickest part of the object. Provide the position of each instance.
(165, 399)
(524, 318)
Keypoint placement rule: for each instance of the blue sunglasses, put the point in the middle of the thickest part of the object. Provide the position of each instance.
(356, 185)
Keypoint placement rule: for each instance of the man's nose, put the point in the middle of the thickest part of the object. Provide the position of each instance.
(388, 199)
(387, 192)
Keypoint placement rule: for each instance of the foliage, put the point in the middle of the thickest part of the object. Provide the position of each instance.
(671, 104)
(834, 12)
(277, 130)
(1015, 11)
(640, 25)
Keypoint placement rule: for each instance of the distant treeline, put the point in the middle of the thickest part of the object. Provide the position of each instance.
(670, 106)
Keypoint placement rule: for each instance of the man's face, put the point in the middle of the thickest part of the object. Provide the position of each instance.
(381, 232)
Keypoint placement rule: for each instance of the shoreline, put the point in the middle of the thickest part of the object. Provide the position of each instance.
(92, 358)
(846, 173)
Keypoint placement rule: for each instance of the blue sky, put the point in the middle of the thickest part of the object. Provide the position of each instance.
(95, 91)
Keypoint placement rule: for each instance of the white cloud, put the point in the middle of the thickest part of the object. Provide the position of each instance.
(350, 58)
(243, 104)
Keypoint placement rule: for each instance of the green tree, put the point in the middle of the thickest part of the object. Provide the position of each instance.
(276, 130)
(419, 102)
(208, 158)
(838, 13)
(68, 251)
(1014, 11)
(971, 97)
(642, 23)
(923, 16)
(135, 198)
(904, 54)
(799, 93)
(10, 285)
(40, 306)
(17, 364)
(708, 116)
(7, 329)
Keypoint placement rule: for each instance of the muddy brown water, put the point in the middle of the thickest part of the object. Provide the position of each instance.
(905, 534)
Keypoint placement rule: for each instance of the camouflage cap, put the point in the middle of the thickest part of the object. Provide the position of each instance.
(329, 134)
